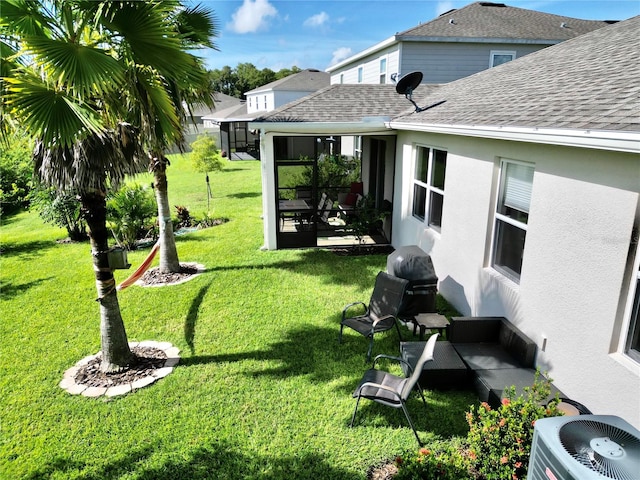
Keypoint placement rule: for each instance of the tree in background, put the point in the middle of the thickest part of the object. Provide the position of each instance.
(206, 158)
(245, 77)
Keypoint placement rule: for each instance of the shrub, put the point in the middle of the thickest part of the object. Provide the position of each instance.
(61, 209)
(16, 169)
(500, 439)
(130, 213)
(438, 462)
(205, 156)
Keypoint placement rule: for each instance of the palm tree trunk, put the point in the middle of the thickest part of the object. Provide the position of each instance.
(169, 262)
(116, 354)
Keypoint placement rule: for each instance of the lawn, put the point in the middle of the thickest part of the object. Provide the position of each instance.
(263, 389)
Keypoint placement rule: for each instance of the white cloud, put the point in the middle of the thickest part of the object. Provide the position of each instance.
(443, 6)
(317, 20)
(340, 54)
(252, 16)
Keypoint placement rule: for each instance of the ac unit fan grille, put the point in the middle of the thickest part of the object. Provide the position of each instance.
(603, 448)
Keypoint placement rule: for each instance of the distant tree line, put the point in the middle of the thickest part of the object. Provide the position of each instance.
(245, 77)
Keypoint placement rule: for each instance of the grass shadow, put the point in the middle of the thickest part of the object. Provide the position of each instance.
(26, 249)
(8, 290)
(192, 318)
(245, 195)
(219, 461)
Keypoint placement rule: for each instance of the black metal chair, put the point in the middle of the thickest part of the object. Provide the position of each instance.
(390, 390)
(381, 313)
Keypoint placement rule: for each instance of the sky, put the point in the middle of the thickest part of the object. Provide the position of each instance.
(319, 33)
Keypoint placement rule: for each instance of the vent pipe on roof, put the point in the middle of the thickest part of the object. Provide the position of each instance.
(564, 25)
(452, 21)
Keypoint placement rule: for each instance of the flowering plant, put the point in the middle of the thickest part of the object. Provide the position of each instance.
(438, 462)
(500, 439)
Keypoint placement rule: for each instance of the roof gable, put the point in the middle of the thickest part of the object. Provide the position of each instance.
(309, 80)
(486, 20)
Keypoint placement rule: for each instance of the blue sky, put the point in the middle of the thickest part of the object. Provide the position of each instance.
(319, 33)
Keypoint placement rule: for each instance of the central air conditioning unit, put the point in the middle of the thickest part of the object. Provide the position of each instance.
(584, 447)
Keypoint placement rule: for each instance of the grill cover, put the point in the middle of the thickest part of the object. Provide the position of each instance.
(414, 264)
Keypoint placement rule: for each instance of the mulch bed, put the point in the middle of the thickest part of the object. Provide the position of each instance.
(155, 277)
(146, 360)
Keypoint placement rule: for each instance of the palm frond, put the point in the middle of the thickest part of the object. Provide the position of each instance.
(198, 26)
(84, 69)
(54, 116)
(23, 17)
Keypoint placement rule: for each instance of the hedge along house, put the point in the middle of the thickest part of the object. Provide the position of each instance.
(523, 184)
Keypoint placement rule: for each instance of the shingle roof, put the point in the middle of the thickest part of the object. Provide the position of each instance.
(485, 20)
(308, 80)
(343, 103)
(591, 82)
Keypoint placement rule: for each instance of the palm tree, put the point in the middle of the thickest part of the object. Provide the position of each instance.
(70, 61)
(152, 90)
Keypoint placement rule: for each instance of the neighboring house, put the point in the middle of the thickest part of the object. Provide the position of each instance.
(196, 123)
(238, 140)
(275, 94)
(460, 43)
(522, 182)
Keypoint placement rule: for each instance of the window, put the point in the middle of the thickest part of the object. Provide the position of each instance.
(499, 57)
(512, 215)
(632, 345)
(383, 70)
(359, 74)
(341, 78)
(265, 102)
(428, 185)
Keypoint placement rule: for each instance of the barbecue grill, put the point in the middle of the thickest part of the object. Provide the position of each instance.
(414, 264)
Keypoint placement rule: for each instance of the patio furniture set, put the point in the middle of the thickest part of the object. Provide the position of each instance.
(488, 353)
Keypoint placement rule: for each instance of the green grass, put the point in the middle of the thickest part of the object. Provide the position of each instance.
(263, 390)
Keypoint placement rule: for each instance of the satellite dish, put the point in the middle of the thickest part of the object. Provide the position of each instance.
(407, 84)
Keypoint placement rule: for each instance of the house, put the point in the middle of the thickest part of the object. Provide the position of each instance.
(275, 94)
(196, 118)
(459, 43)
(238, 140)
(522, 182)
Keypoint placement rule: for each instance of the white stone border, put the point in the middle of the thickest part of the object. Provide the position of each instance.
(69, 384)
(200, 270)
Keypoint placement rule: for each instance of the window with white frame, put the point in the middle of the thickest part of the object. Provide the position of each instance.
(632, 347)
(341, 78)
(359, 74)
(498, 57)
(265, 102)
(383, 70)
(428, 185)
(512, 215)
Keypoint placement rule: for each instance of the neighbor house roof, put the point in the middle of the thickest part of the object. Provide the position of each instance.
(234, 113)
(488, 22)
(308, 80)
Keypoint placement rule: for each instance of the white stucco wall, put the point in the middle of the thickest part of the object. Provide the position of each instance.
(584, 203)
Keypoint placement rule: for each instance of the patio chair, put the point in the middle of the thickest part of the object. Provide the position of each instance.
(382, 311)
(390, 390)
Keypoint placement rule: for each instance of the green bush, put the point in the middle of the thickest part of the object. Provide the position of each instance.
(16, 169)
(205, 155)
(61, 209)
(130, 213)
(438, 462)
(497, 446)
(500, 439)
